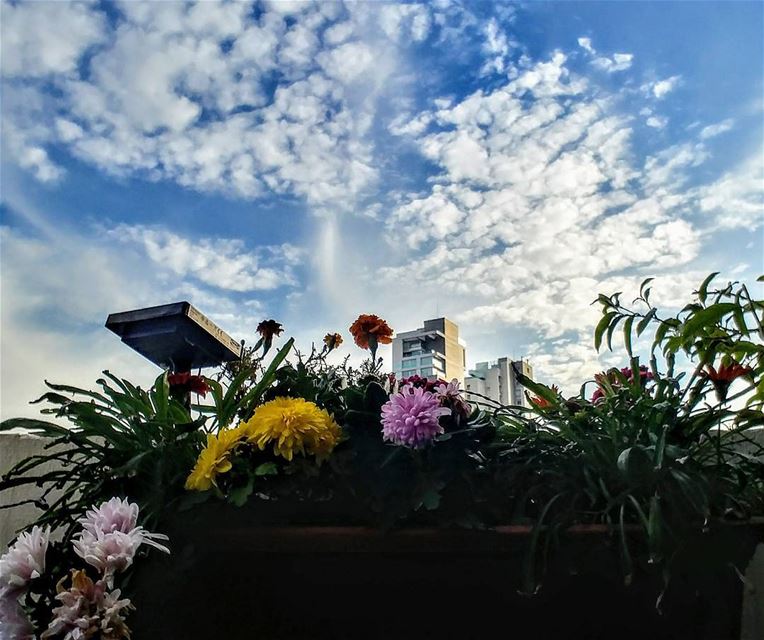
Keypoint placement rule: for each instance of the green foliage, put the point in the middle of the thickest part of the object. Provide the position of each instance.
(655, 454)
(123, 441)
(658, 451)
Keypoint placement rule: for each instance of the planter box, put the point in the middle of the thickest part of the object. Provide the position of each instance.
(277, 582)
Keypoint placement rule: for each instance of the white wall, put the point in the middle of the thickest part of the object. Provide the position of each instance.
(13, 448)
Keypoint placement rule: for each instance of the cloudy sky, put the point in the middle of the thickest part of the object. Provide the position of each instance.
(500, 164)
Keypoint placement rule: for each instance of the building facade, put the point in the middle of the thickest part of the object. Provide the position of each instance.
(434, 351)
(497, 381)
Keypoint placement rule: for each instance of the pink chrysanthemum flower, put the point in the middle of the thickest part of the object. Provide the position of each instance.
(25, 560)
(114, 515)
(110, 537)
(411, 417)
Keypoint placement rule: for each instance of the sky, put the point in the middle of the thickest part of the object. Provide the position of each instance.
(500, 164)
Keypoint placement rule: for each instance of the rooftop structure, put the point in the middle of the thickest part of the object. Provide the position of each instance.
(498, 381)
(434, 351)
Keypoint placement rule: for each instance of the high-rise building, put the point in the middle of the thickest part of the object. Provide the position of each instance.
(434, 351)
(497, 381)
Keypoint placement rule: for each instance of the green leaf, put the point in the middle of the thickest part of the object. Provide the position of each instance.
(643, 285)
(706, 318)
(160, 392)
(611, 331)
(266, 469)
(253, 395)
(703, 290)
(239, 495)
(660, 334)
(627, 334)
(642, 325)
(601, 326)
(539, 389)
(375, 397)
(431, 499)
(636, 466)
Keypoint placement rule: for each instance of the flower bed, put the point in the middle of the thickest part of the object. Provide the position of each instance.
(646, 457)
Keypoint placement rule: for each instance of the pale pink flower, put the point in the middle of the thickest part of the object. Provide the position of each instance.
(14, 623)
(25, 559)
(110, 553)
(451, 396)
(113, 551)
(115, 515)
(88, 610)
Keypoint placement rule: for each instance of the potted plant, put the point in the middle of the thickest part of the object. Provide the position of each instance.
(309, 500)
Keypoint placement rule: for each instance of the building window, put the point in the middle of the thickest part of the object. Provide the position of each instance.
(428, 371)
(407, 373)
(408, 364)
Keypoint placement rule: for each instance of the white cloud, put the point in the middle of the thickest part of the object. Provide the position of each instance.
(404, 20)
(163, 98)
(713, 130)
(536, 209)
(736, 199)
(496, 48)
(346, 62)
(43, 38)
(661, 88)
(618, 61)
(220, 263)
(656, 122)
(586, 45)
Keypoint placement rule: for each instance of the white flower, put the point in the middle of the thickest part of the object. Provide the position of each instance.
(113, 552)
(25, 560)
(114, 515)
(14, 623)
(110, 553)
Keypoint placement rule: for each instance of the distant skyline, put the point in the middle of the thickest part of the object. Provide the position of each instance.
(498, 164)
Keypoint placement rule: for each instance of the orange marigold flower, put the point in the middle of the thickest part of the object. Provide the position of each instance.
(269, 328)
(332, 341)
(370, 330)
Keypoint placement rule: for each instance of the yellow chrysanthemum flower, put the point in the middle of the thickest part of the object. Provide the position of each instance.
(214, 459)
(293, 425)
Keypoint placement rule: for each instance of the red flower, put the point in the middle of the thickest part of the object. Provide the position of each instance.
(645, 375)
(269, 328)
(725, 376)
(182, 383)
(727, 372)
(543, 403)
(420, 382)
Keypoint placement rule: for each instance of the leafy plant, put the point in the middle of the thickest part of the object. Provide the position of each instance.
(123, 441)
(659, 452)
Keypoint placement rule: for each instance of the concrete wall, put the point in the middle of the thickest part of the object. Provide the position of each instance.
(13, 448)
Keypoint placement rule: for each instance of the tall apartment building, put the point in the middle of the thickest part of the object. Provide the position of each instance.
(497, 381)
(434, 351)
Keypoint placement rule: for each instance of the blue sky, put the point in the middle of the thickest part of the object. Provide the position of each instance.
(498, 163)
